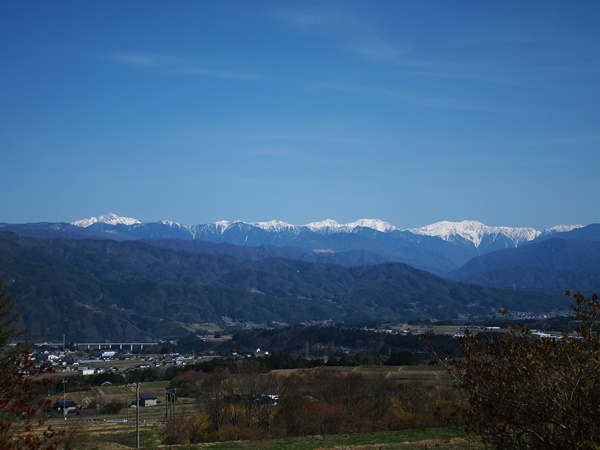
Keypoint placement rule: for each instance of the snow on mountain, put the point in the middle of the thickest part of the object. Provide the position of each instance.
(172, 224)
(561, 229)
(331, 226)
(215, 228)
(274, 226)
(324, 226)
(474, 232)
(109, 219)
(375, 224)
(221, 226)
(469, 230)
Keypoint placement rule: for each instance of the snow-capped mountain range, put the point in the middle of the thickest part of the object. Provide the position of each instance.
(440, 248)
(475, 232)
(468, 230)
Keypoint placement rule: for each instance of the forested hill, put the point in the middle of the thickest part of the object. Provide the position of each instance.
(95, 289)
(557, 264)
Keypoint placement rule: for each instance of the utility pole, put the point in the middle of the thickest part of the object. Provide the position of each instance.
(64, 382)
(137, 415)
(170, 404)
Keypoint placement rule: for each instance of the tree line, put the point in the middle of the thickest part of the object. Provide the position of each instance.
(243, 402)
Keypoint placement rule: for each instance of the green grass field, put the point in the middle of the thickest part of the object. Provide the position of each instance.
(438, 438)
(120, 436)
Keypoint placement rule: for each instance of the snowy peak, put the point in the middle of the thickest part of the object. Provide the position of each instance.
(375, 224)
(327, 225)
(221, 226)
(108, 219)
(274, 226)
(215, 228)
(469, 232)
(561, 229)
(474, 232)
(331, 226)
(171, 224)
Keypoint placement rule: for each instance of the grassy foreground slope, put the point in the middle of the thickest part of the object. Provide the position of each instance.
(438, 438)
(111, 437)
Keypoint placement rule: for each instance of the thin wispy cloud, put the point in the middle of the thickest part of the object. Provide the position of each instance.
(349, 33)
(325, 21)
(179, 65)
(345, 31)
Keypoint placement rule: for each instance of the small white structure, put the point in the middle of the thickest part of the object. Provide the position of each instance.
(148, 400)
(107, 354)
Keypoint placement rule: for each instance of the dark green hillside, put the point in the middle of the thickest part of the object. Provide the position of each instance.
(351, 258)
(93, 289)
(397, 289)
(553, 264)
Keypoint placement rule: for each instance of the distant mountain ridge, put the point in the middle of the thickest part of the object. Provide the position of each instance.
(470, 230)
(440, 248)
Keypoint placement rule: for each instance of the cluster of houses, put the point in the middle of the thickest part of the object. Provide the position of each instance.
(100, 361)
(108, 360)
(64, 361)
(72, 362)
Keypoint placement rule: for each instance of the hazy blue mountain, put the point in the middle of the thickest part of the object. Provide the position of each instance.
(563, 261)
(588, 233)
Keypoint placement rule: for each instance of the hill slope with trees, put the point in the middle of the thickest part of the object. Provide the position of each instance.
(553, 264)
(95, 289)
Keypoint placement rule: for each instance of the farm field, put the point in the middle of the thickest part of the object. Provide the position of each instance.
(112, 431)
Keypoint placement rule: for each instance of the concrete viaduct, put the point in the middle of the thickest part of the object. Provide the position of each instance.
(113, 345)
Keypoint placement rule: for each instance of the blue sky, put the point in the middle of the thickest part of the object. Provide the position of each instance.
(407, 111)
